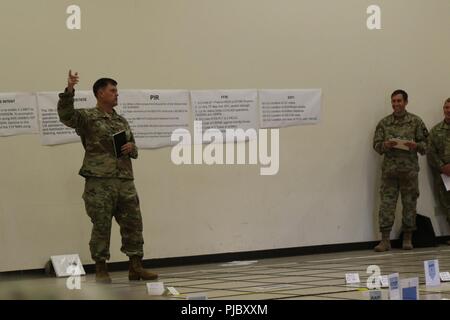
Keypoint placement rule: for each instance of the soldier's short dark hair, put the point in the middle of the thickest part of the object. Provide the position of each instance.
(447, 101)
(103, 83)
(402, 92)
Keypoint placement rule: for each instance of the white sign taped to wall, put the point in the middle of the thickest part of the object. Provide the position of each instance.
(18, 113)
(283, 108)
(154, 114)
(225, 109)
(52, 131)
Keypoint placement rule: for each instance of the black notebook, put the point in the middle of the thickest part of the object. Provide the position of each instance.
(120, 139)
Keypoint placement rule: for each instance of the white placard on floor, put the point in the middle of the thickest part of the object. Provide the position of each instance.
(445, 276)
(394, 286)
(352, 278)
(197, 296)
(432, 273)
(409, 289)
(375, 295)
(384, 281)
(67, 265)
(172, 291)
(155, 288)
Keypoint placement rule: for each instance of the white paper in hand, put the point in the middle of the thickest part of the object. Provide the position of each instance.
(401, 144)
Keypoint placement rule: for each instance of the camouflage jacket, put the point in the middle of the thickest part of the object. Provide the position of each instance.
(407, 127)
(95, 128)
(439, 146)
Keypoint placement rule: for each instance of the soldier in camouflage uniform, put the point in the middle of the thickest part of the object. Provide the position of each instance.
(109, 187)
(439, 158)
(400, 167)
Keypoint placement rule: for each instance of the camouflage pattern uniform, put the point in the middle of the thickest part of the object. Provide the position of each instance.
(439, 155)
(109, 187)
(400, 168)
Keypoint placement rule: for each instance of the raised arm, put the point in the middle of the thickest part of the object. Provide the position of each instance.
(66, 111)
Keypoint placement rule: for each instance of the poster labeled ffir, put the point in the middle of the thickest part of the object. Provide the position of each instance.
(52, 131)
(154, 114)
(225, 109)
(283, 108)
(18, 113)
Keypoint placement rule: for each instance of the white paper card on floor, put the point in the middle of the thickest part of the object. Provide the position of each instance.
(377, 282)
(67, 265)
(432, 273)
(394, 286)
(375, 295)
(352, 278)
(445, 276)
(410, 289)
(171, 291)
(384, 281)
(155, 288)
(197, 296)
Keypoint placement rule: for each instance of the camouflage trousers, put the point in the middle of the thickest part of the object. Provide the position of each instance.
(443, 195)
(407, 184)
(105, 198)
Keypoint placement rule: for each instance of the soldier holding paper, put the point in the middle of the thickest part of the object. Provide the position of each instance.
(399, 137)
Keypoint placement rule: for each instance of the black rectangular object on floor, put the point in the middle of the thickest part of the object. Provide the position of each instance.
(424, 235)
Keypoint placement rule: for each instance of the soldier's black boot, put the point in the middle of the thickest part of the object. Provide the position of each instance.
(407, 240)
(101, 272)
(137, 272)
(385, 243)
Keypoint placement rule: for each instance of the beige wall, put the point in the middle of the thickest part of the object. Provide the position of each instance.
(326, 188)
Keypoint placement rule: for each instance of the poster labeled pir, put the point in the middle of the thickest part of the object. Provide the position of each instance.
(154, 114)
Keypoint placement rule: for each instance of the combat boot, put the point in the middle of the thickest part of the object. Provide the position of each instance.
(385, 243)
(407, 243)
(101, 272)
(137, 272)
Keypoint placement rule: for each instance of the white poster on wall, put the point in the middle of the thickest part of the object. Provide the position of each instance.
(18, 113)
(52, 131)
(154, 114)
(225, 109)
(283, 108)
